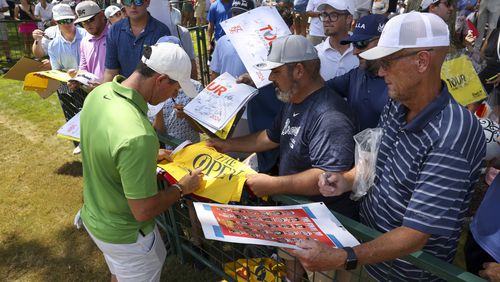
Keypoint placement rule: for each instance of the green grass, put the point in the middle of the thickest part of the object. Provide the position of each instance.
(40, 192)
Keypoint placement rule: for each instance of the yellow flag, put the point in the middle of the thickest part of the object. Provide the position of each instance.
(462, 80)
(223, 178)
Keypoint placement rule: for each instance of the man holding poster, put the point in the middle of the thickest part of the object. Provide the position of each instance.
(313, 131)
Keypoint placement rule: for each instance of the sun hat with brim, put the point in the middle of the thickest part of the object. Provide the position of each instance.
(86, 10)
(62, 12)
(410, 30)
(288, 49)
(170, 59)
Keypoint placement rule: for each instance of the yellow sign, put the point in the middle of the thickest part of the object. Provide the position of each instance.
(45, 82)
(462, 80)
(223, 178)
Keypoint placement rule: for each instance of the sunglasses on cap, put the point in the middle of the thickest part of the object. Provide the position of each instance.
(128, 3)
(65, 21)
(363, 43)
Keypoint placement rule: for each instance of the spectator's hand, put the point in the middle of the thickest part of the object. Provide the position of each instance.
(191, 182)
(495, 81)
(491, 271)
(261, 184)
(332, 184)
(179, 111)
(37, 34)
(73, 85)
(93, 84)
(218, 144)
(72, 72)
(45, 64)
(317, 256)
(164, 154)
(245, 79)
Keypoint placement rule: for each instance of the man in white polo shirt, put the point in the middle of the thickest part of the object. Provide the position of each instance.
(336, 59)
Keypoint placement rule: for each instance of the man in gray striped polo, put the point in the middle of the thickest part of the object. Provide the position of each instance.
(429, 159)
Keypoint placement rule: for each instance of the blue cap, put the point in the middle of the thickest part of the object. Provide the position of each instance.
(169, 39)
(367, 27)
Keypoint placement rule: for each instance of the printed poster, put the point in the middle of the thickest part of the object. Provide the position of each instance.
(281, 226)
(223, 178)
(251, 33)
(462, 80)
(219, 102)
(71, 129)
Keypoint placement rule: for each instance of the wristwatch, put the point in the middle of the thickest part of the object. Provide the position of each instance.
(351, 261)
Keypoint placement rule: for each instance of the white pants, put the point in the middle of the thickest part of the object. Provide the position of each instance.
(140, 261)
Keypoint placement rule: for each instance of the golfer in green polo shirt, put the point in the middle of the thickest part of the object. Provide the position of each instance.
(119, 154)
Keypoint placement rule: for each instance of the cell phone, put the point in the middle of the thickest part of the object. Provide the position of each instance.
(492, 78)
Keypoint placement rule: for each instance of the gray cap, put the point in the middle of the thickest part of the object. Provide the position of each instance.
(288, 49)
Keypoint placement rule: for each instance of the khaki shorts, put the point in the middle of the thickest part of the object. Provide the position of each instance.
(139, 261)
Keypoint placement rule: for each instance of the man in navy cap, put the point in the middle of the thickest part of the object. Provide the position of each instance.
(364, 90)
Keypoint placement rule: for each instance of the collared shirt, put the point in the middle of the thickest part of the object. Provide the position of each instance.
(219, 12)
(65, 55)
(93, 53)
(124, 50)
(365, 92)
(226, 59)
(425, 173)
(332, 62)
(44, 14)
(119, 149)
(316, 25)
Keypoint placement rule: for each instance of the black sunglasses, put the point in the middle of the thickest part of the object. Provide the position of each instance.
(333, 16)
(65, 21)
(92, 19)
(362, 44)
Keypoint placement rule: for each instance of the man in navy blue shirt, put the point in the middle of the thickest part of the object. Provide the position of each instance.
(126, 39)
(365, 91)
(314, 131)
(430, 157)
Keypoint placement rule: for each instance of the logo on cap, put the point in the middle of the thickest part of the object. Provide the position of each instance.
(380, 27)
(360, 25)
(81, 12)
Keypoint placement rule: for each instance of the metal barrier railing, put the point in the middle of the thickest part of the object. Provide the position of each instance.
(201, 51)
(13, 44)
(214, 255)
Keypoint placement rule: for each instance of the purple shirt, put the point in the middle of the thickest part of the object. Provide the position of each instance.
(93, 53)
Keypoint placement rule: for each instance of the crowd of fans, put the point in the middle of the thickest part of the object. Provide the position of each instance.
(349, 66)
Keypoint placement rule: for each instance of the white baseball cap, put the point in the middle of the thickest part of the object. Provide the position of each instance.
(111, 11)
(288, 49)
(411, 30)
(426, 3)
(86, 10)
(170, 59)
(341, 5)
(62, 12)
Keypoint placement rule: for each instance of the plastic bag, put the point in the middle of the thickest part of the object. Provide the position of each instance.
(365, 158)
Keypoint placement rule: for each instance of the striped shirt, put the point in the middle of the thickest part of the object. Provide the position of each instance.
(425, 173)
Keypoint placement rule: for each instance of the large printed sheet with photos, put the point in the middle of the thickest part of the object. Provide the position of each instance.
(281, 226)
(251, 34)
